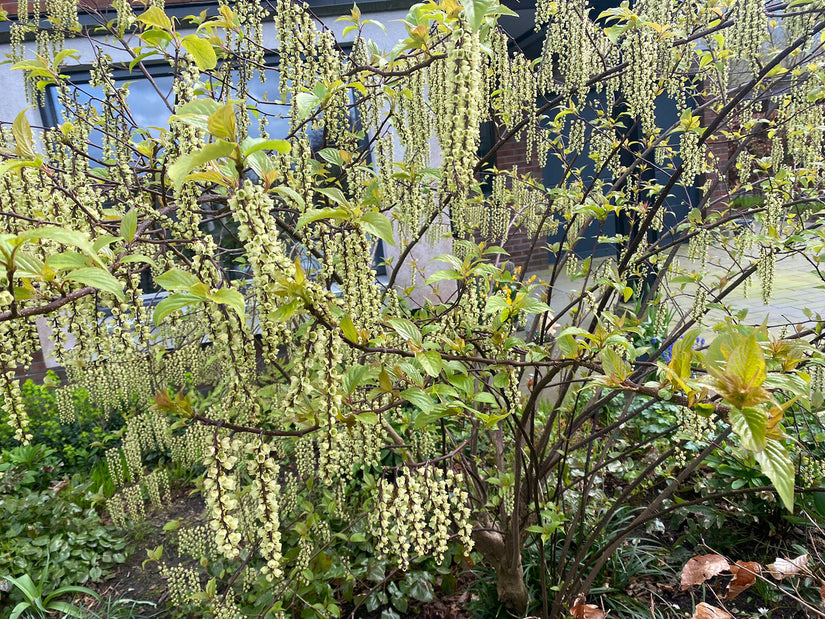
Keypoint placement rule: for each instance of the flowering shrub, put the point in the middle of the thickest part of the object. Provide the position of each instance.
(413, 415)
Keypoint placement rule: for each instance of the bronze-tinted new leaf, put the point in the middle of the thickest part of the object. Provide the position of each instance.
(744, 575)
(706, 611)
(701, 568)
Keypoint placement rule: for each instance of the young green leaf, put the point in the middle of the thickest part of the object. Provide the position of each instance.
(155, 17)
(231, 297)
(750, 424)
(201, 51)
(378, 225)
(776, 464)
(128, 225)
(186, 163)
(97, 278)
(172, 303)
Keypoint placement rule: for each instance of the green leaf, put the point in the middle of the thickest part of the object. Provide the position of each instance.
(186, 163)
(368, 418)
(137, 258)
(173, 303)
(231, 297)
(614, 366)
(747, 361)
(419, 399)
(444, 274)
(379, 226)
(19, 609)
(199, 107)
(128, 225)
(334, 194)
(67, 260)
(496, 303)
(201, 50)
(11, 165)
(533, 306)
(222, 123)
(405, 329)
(430, 361)
(23, 136)
(156, 18)
(354, 377)
(196, 113)
(97, 278)
(319, 214)
(306, 102)
(750, 424)
(72, 238)
(476, 12)
(71, 589)
(348, 328)
(252, 145)
(291, 194)
(776, 464)
(176, 279)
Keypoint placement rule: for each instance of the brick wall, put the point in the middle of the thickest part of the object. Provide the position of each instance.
(722, 150)
(513, 154)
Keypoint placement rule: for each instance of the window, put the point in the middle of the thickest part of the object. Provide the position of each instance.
(147, 100)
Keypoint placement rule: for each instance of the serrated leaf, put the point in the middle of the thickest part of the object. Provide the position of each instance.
(97, 278)
(419, 399)
(405, 329)
(201, 51)
(176, 279)
(443, 275)
(306, 102)
(430, 361)
(128, 225)
(348, 328)
(334, 194)
(132, 258)
(747, 361)
(496, 303)
(231, 297)
(186, 163)
(379, 226)
(252, 145)
(66, 260)
(776, 464)
(750, 424)
(368, 418)
(318, 214)
(156, 18)
(614, 366)
(291, 194)
(72, 238)
(476, 12)
(23, 136)
(172, 303)
(222, 123)
(354, 377)
(532, 305)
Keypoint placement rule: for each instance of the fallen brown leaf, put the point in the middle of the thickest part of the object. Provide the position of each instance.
(61, 485)
(744, 575)
(822, 595)
(706, 611)
(700, 568)
(587, 611)
(783, 568)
